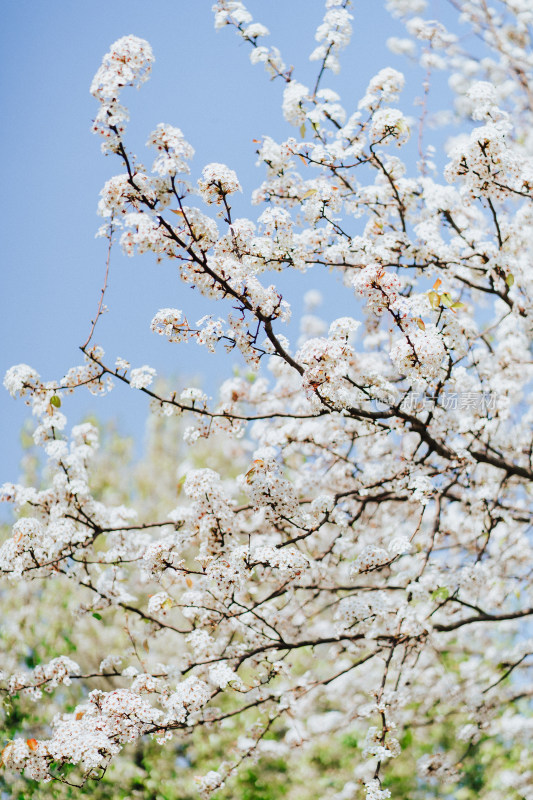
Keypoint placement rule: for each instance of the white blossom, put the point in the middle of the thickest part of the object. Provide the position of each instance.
(141, 377)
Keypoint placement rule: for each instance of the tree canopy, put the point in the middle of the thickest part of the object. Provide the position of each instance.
(318, 582)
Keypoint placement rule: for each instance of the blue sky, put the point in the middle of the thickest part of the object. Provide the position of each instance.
(53, 171)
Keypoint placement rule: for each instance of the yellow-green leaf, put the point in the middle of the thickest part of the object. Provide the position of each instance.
(509, 280)
(434, 300)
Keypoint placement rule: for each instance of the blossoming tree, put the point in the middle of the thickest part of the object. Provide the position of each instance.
(358, 562)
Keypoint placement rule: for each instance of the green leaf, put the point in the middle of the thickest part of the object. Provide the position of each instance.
(96, 615)
(55, 401)
(446, 300)
(442, 593)
(509, 280)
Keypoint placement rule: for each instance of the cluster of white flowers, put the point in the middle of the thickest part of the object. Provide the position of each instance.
(484, 102)
(145, 235)
(269, 489)
(278, 226)
(380, 287)
(384, 87)
(376, 745)
(21, 380)
(423, 488)
(418, 354)
(334, 34)
(141, 377)
(90, 736)
(225, 575)
(233, 12)
(90, 374)
(343, 328)
(373, 791)
(370, 558)
(326, 363)
(121, 194)
(217, 182)
(222, 675)
(111, 662)
(213, 514)
(159, 603)
(194, 227)
(270, 57)
(160, 556)
(128, 63)
(174, 151)
(209, 783)
(168, 322)
(224, 9)
(210, 331)
(26, 755)
(190, 696)
(44, 676)
(288, 560)
(276, 156)
(294, 97)
(34, 544)
(485, 163)
(389, 123)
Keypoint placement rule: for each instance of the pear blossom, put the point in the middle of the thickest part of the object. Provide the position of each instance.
(217, 181)
(140, 377)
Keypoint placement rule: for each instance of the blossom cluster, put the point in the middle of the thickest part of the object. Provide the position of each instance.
(128, 63)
